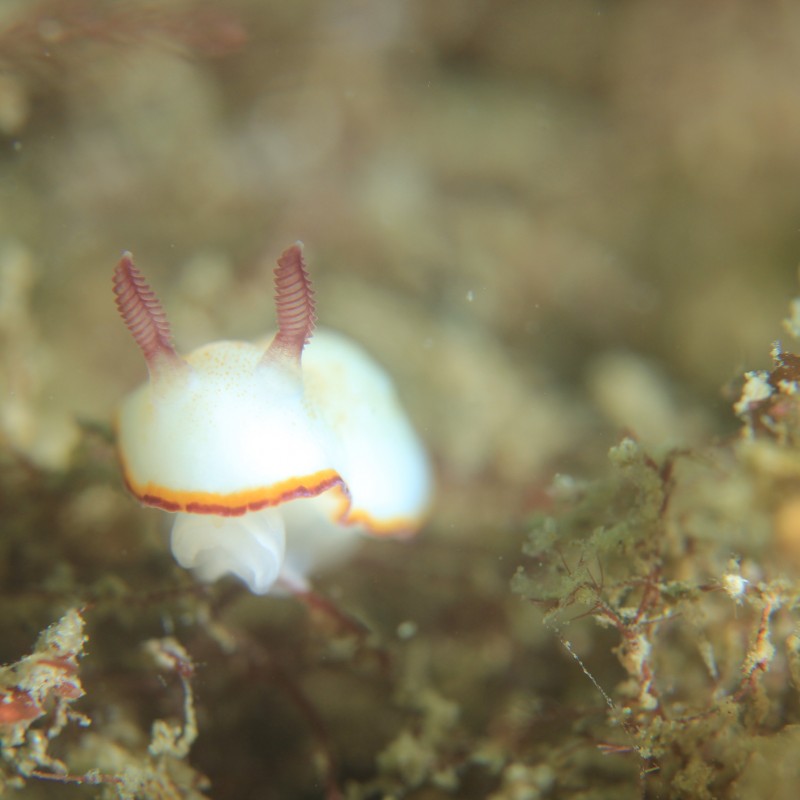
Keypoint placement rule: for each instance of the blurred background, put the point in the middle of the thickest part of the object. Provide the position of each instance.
(553, 222)
(528, 210)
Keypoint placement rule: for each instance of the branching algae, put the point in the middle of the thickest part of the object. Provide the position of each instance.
(688, 560)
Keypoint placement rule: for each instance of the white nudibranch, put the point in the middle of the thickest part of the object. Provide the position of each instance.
(273, 457)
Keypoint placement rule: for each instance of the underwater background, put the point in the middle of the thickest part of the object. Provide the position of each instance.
(567, 230)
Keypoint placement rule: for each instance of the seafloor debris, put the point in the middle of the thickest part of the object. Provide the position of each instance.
(36, 697)
(43, 684)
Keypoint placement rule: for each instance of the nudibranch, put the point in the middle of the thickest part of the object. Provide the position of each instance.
(273, 457)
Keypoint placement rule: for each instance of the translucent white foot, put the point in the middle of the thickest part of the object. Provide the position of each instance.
(251, 547)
